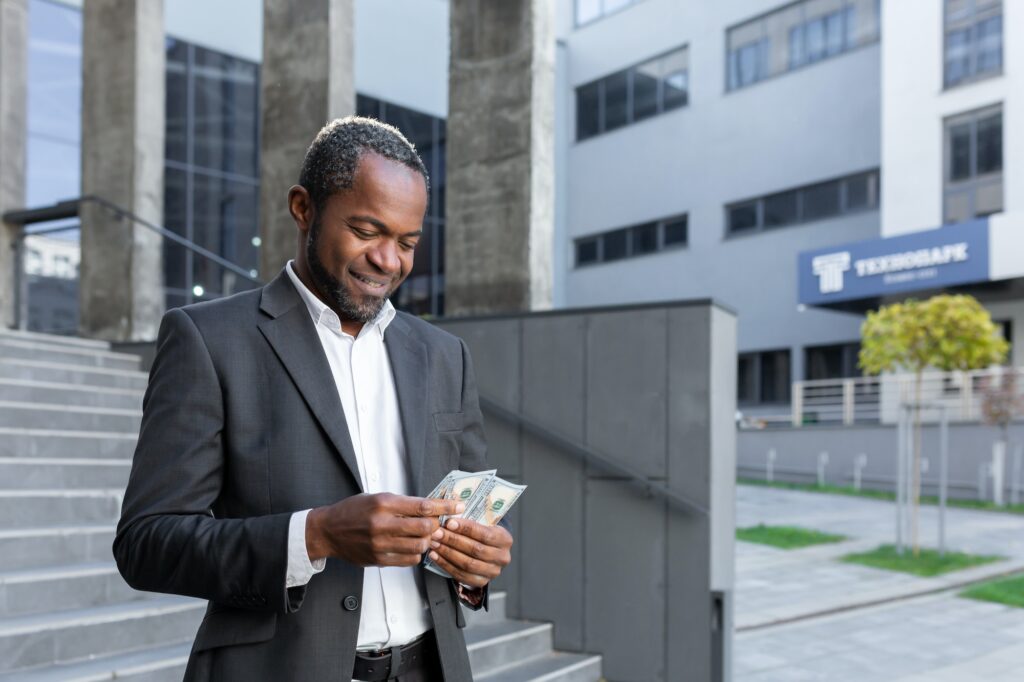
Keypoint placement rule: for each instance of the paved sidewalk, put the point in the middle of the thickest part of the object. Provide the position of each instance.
(880, 631)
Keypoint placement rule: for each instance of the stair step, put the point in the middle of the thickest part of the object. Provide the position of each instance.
(44, 639)
(22, 442)
(57, 372)
(495, 646)
(75, 418)
(158, 664)
(73, 586)
(72, 355)
(495, 613)
(29, 547)
(553, 667)
(29, 391)
(53, 507)
(21, 473)
(55, 339)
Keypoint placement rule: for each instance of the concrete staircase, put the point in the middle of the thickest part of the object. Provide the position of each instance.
(69, 419)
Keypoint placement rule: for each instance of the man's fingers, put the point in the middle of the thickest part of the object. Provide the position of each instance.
(423, 506)
(415, 547)
(474, 548)
(401, 526)
(462, 576)
(492, 536)
(466, 564)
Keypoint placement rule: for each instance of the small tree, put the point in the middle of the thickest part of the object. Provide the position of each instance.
(945, 333)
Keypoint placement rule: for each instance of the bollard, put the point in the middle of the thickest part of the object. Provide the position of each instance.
(769, 466)
(998, 471)
(822, 463)
(859, 462)
(1018, 455)
(983, 482)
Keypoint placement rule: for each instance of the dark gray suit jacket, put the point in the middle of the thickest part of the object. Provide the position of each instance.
(242, 425)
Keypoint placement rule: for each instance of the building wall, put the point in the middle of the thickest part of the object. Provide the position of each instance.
(914, 105)
(812, 124)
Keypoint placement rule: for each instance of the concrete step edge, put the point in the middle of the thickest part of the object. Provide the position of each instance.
(59, 386)
(66, 433)
(43, 364)
(106, 668)
(564, 663)
(527, 629)
(65, 461)
(97, 615)
(75, 409)
(55, 338)
(66, 571)
(45, 347)
(53, 531)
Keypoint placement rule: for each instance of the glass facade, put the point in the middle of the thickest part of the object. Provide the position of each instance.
(973, 40)
(798, 35)
(653, 87)
(636, 240)
(819, 201)
(974, 165)
(211, 174)
(423, 292)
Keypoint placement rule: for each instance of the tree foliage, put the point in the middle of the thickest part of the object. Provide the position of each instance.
(946, 332)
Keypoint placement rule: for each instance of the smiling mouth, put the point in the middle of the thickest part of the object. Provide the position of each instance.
(369, 282)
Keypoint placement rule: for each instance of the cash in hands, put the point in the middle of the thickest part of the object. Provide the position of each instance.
(487, 498)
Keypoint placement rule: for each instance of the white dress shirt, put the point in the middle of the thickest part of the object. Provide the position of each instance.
(394, 608)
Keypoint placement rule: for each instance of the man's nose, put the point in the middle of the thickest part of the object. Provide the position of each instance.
(384, 255)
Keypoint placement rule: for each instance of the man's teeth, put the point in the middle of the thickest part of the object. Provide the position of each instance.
(371, 282)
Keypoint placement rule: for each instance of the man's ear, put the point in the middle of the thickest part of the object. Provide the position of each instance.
(300, 205)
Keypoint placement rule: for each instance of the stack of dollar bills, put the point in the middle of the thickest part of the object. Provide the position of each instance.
(486, 496)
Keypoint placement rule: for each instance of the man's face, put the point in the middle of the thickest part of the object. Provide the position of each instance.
(360, 246)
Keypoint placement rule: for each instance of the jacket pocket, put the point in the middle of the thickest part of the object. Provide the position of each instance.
(448, 421)
(226, 627)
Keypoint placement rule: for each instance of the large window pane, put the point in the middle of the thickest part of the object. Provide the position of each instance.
(746, 376)
(645, 238)
(226, 92)
(586, 251)
(616, 92)
(821, 201)
(990, 144)
(775, 377)
(588, 110)
(958, 56)
(990, 44)
(676, 232)
(860, 191)
(645, 89)
(960, 152)
(743, 217)
(780, 209)
(615, 245)
(176, 82)
(675, 79)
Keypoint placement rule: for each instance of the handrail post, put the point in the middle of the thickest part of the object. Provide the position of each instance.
(798, 403)
(849, 408)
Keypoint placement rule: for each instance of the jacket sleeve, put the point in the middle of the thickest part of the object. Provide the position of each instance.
(168, 539)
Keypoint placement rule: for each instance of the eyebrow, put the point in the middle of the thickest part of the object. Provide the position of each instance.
(382, 226)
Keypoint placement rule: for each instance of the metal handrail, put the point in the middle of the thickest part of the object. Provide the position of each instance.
(69, 208)
(589, 456)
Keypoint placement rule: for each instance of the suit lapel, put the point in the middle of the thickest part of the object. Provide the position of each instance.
(408, 359)
(292, 335)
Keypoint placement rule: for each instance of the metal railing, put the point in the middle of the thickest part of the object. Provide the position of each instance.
(877, 399)
(58, 290)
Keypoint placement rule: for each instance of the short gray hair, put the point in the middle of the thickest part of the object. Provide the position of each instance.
(333, 156)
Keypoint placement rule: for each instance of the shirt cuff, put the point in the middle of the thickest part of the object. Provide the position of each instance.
(300, 568)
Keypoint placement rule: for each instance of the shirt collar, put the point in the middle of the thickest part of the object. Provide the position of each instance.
(321, 314)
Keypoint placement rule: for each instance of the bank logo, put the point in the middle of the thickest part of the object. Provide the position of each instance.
(829, 269)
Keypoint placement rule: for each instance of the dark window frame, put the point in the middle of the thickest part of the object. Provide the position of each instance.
(759, 385)
(973, 182)
(630, 235)
(971, 24)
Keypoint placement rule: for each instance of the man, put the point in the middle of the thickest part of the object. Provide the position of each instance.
(287, 433)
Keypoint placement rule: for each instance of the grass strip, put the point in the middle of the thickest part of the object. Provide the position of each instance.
(785, 537)
(1008, 591)
(881, 495)
(926, 563)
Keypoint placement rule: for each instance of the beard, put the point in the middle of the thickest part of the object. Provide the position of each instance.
(353, 306)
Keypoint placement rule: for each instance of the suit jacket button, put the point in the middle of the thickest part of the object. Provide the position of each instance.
(350, 603)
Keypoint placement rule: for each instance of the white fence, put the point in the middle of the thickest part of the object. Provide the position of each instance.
(876, 400)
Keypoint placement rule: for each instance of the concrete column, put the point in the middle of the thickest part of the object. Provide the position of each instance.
(123, 71)
(13, 77)
(500, 184)
(306, 80)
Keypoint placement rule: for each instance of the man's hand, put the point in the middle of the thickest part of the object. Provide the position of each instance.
(472, 553)
(376, 530)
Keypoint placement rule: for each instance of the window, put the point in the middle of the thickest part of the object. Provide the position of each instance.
(837, 361)
(763, 377)
(628, 242)
(819, 201)
(974, 165)
(973, 40)
(797, 35)
(632, 95)
(592, 10)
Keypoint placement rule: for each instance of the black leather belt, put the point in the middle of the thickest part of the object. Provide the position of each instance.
(387, 664)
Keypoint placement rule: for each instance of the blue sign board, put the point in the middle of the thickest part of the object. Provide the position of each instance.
(950, 255)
